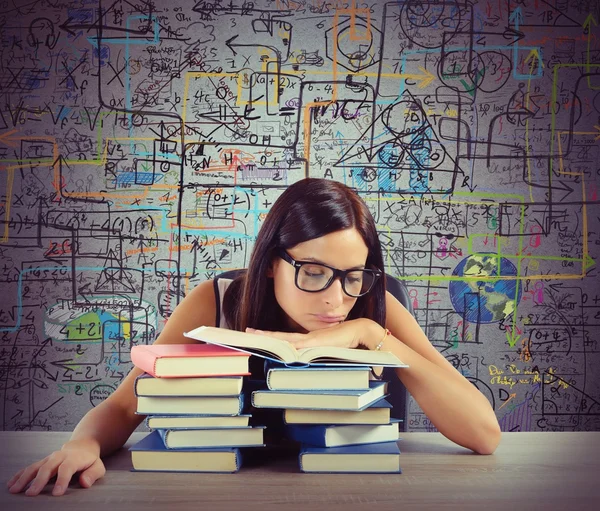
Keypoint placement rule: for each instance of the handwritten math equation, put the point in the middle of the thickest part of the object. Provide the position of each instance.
(142, 143)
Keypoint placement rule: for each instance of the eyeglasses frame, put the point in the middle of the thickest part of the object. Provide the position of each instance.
(336, 273)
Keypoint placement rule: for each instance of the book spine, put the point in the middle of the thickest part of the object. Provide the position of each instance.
(238, 459)
(300, 461)
(242, 404)
(135, 384)
(144, 360)
(164, 433)
(268, 379)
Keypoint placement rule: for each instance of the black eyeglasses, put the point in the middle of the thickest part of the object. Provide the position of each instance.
(314, 277)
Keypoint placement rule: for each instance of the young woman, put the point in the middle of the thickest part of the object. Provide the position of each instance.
(314, 278)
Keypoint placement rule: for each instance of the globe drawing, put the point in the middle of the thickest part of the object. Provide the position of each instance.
(484, 300)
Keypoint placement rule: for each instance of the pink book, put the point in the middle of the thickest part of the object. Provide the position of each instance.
(189, 360)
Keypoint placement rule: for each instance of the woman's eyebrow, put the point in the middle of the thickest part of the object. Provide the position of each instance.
(314, 260)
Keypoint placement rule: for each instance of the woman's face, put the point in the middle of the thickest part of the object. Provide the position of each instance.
(312, 311)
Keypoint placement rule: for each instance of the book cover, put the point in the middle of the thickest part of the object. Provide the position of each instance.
(379, 458)
(212, 437)
(277, 350)
(188, 405)
(318, 378)
(342, 435)
(148, 385)
(197, 421)
(377, 413)
(189, 360)
(354, 400)
(151, 455)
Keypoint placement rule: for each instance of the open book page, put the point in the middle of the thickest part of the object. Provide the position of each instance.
(282, 351)
(333, 355)
(259, 345)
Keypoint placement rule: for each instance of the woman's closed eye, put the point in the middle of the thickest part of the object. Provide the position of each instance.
(316, 273)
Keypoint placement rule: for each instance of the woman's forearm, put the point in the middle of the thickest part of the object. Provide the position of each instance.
(454, 405)
(105, 428)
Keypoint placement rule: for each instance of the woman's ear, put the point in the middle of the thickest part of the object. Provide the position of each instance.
(271, 269)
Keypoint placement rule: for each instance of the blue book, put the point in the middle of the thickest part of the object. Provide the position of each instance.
(212, 437)
(377, 413)
(151, 455)
(383, 458)
(320, 400)
(342, 435)
(318, 378)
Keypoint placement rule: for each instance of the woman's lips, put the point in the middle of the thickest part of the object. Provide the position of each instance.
(329, 319)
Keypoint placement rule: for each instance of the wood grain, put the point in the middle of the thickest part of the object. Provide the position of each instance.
(528, 471)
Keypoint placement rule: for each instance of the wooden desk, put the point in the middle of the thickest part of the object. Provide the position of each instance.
(528, 471)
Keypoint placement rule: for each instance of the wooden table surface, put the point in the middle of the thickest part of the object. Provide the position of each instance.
(528, 471)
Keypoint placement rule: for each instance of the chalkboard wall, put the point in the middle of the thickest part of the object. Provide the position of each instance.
(142, 144)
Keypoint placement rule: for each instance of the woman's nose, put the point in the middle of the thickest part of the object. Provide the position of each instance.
(334, 294)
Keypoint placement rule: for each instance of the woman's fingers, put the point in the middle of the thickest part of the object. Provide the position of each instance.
(63, 477)
(14, 478)
(45, 473)
(91, 474)
(25, 475)
(62, 464)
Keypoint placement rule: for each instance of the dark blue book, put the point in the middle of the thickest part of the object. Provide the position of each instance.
(342, 435)
(382, 458)
(151, 455)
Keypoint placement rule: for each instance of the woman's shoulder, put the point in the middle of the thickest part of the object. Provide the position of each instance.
(224, 299)
(199, 305)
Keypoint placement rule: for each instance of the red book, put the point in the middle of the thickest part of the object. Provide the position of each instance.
(189, 360)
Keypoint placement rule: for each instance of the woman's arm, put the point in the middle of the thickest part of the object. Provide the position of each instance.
(453, 404)
(105, 428)
(196, 309)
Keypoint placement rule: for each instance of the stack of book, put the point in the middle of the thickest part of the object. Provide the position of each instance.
(192, 397)
(339, 417)
(330, 405)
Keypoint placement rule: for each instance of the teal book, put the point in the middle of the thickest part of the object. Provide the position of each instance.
(318, 378)
(354, 400)
(151, 455)
(382, 458)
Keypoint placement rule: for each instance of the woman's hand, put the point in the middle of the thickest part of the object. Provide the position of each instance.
(73, 457)
(355, 333)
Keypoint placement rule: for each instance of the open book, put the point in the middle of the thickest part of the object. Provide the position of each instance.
(284, 352)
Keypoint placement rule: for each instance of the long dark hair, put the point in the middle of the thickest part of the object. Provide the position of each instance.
(308, 209)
